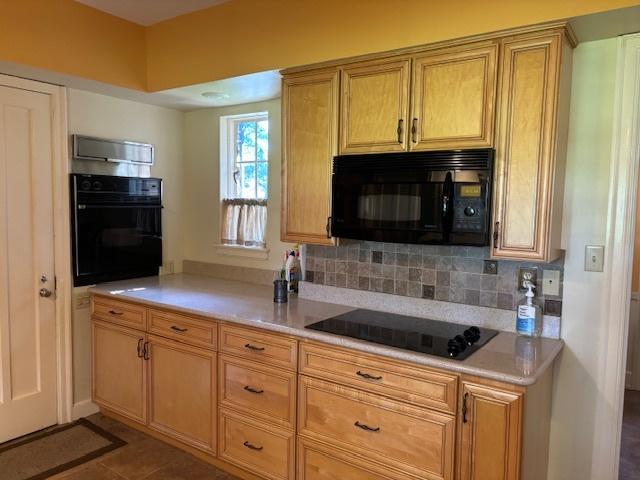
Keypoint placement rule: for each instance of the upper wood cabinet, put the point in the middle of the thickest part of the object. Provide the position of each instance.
(531, 146)
(490, 433)
(375, 106)
(450, 92)
(453, 98)
(310, 136)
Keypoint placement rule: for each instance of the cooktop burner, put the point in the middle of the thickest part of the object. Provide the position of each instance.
(443, 339)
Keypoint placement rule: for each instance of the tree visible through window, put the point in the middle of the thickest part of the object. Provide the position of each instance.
(250, 169)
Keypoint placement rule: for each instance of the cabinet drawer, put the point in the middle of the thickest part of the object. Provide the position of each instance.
(317, 461)
(255, 446)
(183, 328)
(123, 313)
(406, 382)
(259, 346)
(415, 440)
(258, 390)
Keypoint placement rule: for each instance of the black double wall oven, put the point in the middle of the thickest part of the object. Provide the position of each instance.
(116, 227)
(440, 197)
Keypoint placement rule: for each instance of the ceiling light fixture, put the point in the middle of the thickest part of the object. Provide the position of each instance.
(215, 95)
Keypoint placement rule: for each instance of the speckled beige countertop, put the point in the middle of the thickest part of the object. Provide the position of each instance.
(506, 357)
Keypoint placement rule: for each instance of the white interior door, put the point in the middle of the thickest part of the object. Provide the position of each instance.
(27, 315)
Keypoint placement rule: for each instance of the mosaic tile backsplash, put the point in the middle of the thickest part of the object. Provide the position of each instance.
(451, 274)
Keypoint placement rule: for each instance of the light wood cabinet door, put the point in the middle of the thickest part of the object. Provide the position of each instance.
(118, 370)
(310, 135)
(527, 171)
(375, 106)
(453, 98)
(260, 448)
(490, 434)
(182, 392)
(319, 461)
(417, 441)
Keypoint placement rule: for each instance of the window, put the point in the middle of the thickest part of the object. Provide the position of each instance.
(244, 181)
(247, 156)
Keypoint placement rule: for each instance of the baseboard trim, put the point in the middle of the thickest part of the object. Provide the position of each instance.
(83, 409)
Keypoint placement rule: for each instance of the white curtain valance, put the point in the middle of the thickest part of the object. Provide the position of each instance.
(244, 222)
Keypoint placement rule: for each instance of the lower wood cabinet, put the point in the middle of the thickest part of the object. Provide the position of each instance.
(336, 415)
(490, 433)
(119, 374)
(318, 461)
(257, 446)
(415, 440)
(182, 392)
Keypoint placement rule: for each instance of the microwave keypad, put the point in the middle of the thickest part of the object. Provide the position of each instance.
(468, 209)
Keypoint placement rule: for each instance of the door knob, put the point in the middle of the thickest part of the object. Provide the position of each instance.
(45, 292)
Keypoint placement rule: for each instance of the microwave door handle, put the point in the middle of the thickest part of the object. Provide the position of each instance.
(447, 197)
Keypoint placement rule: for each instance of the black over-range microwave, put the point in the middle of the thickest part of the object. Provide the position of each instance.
(440, 197)
(116, 227)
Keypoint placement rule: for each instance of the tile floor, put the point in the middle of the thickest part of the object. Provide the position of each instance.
(630, 450)
(143, 457)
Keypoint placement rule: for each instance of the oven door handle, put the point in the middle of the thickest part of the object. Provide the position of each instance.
(84, 206)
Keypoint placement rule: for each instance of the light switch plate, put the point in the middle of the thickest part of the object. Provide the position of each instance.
(551, 282)
(594, 258)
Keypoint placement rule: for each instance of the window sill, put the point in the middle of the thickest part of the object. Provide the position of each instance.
(240, 251)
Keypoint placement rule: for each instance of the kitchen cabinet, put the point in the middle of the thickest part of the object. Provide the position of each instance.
(453, 98)
(182, 392)
(375, 106)
(451, 92)
(531, 141)
(116, 350)
(289, 408)
(309, 139)
(490, 433)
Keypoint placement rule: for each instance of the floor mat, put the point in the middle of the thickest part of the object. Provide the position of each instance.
(43, 454)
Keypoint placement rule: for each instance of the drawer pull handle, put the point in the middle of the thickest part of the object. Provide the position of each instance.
(368, 376)
(367, 427)
(254, 348)
(253, 390)
(178, 329)
(252, 447)
(115, 312)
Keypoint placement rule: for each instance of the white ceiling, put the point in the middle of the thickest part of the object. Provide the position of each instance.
(148, 12)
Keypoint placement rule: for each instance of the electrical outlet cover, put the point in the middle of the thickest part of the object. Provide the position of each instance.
(551, 283)
(527, 273)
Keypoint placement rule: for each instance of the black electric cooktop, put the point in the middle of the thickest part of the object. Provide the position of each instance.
(443, 339)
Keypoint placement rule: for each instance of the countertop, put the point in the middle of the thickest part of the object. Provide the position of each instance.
(507, 357)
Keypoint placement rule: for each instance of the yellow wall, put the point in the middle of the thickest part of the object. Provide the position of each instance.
(67, 37)
(243, 36)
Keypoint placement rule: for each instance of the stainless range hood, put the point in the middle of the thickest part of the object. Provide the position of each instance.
(106, 150)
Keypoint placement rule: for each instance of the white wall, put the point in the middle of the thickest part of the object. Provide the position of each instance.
(103, 116)
(577, 386)
(202, 190)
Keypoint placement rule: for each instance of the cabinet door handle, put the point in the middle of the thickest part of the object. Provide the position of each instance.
(145, 351)
(496, 235)
(464, 408)
(254, 348)
(140, 351)
(368, 376)
(178, 329)
(253, 390)
(400, 129)
(115, 312)
(328, 227)
(366, 427)
(251, 446)
(414, 130)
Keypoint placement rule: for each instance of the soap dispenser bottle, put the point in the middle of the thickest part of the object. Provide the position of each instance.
(529, 321)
